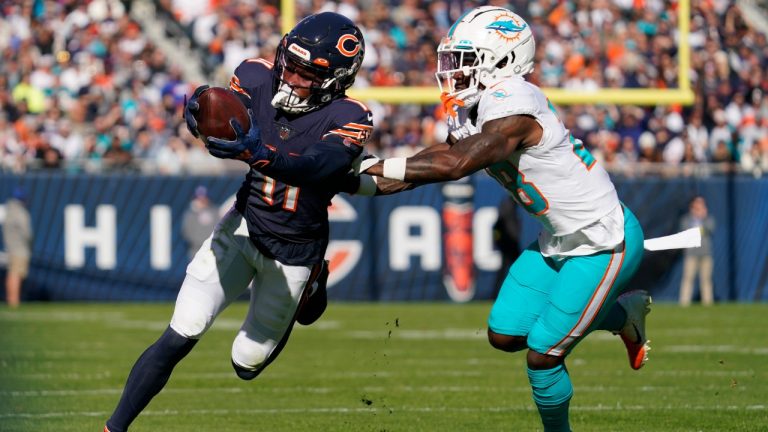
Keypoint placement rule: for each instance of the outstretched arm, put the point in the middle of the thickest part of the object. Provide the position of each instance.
(322, 161)
(327, 158)
(369, 185)
(498, 139)
(386, 186)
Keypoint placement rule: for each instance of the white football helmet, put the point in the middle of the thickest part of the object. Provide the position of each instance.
(485, 44)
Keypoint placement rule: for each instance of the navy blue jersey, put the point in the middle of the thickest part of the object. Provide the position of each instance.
(285, 202)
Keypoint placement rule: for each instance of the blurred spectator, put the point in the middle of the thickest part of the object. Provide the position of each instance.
(48, 157)
(172, 157)
(67, 142)
(698, 261)
(116, 157)
(720, 137)
(145, 150)
(199, 162)
(17, 235)
(649, 152)
(32, 96)
(198, 221)
(722, 152)
(698, 136)
(756, 159)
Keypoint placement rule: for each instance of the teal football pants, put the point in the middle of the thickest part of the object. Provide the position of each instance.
(556, 304)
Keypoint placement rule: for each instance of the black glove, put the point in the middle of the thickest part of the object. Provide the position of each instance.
(191, 107)
(247, 147)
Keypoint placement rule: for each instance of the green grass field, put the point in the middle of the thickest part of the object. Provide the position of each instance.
(380, 367)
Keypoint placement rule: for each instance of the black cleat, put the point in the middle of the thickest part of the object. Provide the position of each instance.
(316, 300)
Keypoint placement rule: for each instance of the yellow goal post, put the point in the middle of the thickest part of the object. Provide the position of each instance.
(425, 95)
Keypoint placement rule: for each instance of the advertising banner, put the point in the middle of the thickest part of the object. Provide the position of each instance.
(118, 237)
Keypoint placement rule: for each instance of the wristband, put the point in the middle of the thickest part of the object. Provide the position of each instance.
(394, 168)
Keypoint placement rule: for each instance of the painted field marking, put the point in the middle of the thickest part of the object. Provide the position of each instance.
(347, 410)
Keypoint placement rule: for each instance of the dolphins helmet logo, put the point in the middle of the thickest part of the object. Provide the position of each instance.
(507, 27)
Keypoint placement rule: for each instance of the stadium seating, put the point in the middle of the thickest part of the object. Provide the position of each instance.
(83, 88)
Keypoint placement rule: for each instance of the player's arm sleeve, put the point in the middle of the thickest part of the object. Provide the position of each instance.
(366, 185)
(332, 156)
(250, 74)
(385, 186)
(349, 183)
(323, 161)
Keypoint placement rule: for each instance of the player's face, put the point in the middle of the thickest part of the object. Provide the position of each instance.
(299, 78)
(460, 81)
(456, 60)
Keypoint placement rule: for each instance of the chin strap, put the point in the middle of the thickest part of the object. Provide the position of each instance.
(469, 97)
(287, 100)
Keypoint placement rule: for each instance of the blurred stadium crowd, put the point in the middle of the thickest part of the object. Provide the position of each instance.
(83, 88)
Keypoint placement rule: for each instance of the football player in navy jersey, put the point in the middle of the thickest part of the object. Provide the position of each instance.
(303, 139)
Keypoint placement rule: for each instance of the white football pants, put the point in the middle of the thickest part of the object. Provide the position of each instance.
(224, 267)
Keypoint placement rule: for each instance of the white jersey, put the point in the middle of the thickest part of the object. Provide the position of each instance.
(557, 181)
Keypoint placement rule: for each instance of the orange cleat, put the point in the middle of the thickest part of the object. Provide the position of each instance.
(637, 304)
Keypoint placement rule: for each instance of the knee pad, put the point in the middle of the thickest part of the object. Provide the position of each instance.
(193, 314)
(248, 356)
(190, 325)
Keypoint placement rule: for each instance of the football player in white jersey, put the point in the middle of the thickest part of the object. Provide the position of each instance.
(569, 282)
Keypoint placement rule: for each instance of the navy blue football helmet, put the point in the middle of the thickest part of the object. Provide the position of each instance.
(327, 48)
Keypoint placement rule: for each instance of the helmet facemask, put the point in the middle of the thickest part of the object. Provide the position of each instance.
(457, 73)
(464, 72)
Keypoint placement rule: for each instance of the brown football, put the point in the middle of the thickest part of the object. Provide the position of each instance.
(217, 106)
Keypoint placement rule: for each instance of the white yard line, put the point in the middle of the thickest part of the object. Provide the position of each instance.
(347, 410)
(444, 334)
(385, 374)
(337, 389)
(118, 391)
(729, 349)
